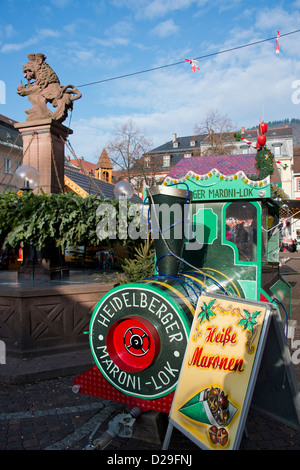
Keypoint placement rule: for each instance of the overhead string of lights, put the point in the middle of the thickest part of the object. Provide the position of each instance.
(194, 62)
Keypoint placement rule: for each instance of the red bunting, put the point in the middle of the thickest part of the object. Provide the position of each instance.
(193, 63)
(277, 42)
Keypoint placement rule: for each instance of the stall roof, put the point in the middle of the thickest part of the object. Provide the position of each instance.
(225, 164)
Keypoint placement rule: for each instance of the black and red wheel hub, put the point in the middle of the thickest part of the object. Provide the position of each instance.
(133, 343)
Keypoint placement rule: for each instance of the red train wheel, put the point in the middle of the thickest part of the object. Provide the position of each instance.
(138, 337)
(133, 343)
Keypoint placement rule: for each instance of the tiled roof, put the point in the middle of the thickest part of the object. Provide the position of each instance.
(296, 164)
(7, 120)
(104, 161)
(93, 185)
(225, 164)
(184, 142)
(9, 136)
(83, 164)
(271, 132)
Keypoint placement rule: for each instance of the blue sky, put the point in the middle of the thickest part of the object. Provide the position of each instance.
(88, 41)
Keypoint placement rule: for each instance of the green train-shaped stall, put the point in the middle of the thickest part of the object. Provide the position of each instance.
(139, 331)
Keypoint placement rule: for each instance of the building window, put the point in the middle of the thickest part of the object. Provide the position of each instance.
(150, 181)
(105, 175)
(7, 167)
(175, 144)
(277, 150)
(187, 155)
(147, 162)
(166, 160)
(192, 143)
(298, 185)
(244, 149)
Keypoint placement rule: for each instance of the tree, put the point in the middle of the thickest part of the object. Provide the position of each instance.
(141, 265)
(127, 146)
(219, 130)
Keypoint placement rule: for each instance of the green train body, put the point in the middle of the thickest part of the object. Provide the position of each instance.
(139, 331)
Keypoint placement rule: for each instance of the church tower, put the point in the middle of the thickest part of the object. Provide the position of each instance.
(104, 168)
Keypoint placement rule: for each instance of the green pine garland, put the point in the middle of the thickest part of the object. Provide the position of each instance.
(264, 161)
(68, 219)
(264, 164)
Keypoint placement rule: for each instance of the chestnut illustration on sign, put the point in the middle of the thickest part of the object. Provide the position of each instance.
(211, 406)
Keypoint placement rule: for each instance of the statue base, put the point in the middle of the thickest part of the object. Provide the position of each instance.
(44, 149)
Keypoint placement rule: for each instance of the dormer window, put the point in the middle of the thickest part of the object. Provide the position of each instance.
(175, 145)
(277, 149)
(244, 149)
(192, 143)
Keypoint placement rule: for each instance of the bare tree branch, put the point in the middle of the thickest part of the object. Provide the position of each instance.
(219, 130)
(127, 146)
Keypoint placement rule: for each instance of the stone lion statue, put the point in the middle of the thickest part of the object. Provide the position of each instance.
(44, 87)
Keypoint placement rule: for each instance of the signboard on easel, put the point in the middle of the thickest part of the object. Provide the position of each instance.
(219, 371)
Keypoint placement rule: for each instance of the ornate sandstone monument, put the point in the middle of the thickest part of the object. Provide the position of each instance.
(40, 321)
(44, 138)
(43, 133)
(44, 89)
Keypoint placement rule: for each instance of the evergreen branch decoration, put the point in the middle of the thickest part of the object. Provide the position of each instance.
(248, 321)
(264, 163)
(206, 312)
(66, 218)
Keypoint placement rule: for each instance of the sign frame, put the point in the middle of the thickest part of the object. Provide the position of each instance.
(268, 309)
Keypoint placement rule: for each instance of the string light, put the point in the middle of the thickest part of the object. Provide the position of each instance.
(183, 61)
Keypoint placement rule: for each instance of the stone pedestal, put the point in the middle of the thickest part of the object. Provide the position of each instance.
(44, 149)
(43, 326)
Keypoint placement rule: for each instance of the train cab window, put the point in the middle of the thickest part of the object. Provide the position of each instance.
(241, 229)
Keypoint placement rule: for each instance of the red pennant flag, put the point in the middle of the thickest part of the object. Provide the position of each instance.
(277, 42)
(193, 63)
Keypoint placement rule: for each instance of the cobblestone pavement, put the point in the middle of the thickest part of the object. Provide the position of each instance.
(47, 415)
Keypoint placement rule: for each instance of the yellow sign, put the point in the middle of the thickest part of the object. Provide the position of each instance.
(209, 403)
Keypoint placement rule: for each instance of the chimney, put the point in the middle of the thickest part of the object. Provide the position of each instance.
(174, 137)
(242, 130)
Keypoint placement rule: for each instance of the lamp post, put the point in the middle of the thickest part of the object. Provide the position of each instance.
(124, 190)
(26, 178)
(48, 263)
